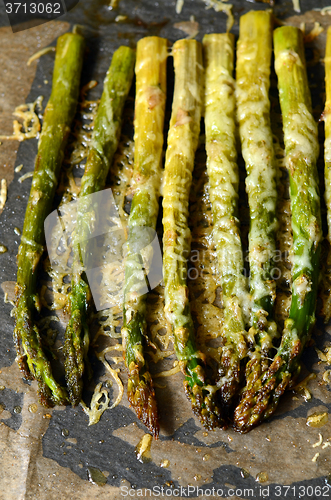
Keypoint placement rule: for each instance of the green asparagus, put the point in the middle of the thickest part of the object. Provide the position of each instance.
(58, 117)
(149, 120)
(327, 175)
(183, 139)
(327, 126)
(301, 145)
(253, 81)
(223, 189)
(105, 138)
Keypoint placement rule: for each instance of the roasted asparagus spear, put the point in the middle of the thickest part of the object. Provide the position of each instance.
(223, 189)
(183, 139)
(301, 146)
(149, 120)
(327, 126)
(58, 117)
(105, 138)
(327, 176)
(253, 81)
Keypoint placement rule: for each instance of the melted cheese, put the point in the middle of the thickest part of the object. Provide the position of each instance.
(223, 188)
(148, 137)
(253, 113)
(182, 144)
(302, 149)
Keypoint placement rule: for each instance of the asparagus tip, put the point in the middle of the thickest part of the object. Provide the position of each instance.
(261, 400)
(205, 406)
(141, 396)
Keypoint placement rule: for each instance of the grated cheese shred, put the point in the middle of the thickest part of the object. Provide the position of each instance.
(168, 373)
(221, 6)
(97, 407)
(25, 176)
(302, 387)
(114, 374)
(39, 54)
(30, 126)
(3, 193)
(179, 6)
(314, 33)
(319, 442)
(327, 376)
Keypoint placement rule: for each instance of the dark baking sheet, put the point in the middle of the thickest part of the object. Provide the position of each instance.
(51, 456)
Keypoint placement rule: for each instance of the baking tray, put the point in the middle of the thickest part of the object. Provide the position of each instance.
(54, 453)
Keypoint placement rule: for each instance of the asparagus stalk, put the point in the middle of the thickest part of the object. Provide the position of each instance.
(149, 120)
(183, 139)
(301, 146)
(327, 173)
(327, 127)
(105, 138)
(58, 117)
(223, 189)
(253, 81)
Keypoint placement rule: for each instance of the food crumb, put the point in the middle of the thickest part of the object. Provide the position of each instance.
(244, 473)
(95, 476)
(143, 449)
(25, 176)
(317, 419)
(19, 168)
(33, 408)
(319, 442)
(262, 477)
